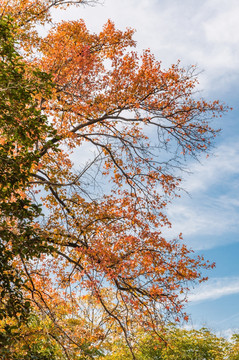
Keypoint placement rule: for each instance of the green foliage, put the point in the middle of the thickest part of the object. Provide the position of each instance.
(30, 341)
(194, 344)
(21, 125)
(39, 339)
(178, 344)
(234, 349)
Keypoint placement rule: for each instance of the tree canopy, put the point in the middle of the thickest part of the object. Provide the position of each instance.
(93, 137)
(179, 344)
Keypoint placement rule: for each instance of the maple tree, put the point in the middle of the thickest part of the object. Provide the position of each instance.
(92, 139)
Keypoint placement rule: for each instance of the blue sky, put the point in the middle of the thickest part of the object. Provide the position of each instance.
(205, 33)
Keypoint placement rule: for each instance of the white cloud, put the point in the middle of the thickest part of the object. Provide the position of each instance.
(223, 25)
(199, 220)
(212, 209)
(217, 168)
(215, 288)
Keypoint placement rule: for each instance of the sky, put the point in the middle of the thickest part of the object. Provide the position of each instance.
(203, 33)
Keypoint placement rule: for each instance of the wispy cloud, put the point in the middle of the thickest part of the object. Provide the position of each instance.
(217, 168)
(212, 209)
(215, 289)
